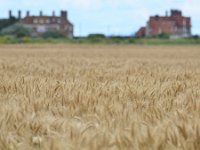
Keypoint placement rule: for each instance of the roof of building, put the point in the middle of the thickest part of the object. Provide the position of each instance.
(141, 32)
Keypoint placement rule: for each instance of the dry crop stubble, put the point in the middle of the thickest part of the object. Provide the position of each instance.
(99, 97)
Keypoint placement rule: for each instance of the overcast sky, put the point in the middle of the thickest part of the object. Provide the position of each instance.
(111, 17)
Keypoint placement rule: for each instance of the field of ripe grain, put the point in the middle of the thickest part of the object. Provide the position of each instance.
(84, 97)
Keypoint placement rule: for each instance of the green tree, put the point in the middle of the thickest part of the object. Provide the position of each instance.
(53, 34)
(17, 30)
(164, 35)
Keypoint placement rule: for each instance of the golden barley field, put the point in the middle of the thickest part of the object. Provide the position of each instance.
(98, 97)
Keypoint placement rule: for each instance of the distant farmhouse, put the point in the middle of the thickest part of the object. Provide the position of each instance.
(175, 25)
(42, 23)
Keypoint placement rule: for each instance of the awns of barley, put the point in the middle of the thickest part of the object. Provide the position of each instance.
(89, 97)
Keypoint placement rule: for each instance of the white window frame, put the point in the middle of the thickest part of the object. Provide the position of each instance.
(48, 21)
(35, 20)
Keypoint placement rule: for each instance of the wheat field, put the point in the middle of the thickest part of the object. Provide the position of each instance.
(98, 97)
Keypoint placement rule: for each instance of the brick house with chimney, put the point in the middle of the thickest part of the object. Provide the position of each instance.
(175, 25)
(43, 23)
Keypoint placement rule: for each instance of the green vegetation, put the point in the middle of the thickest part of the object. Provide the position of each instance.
(163, 36)
(4, 23)
(17, 30)
(160, 40)
(96, 36)
(93, 39)
(53, 34)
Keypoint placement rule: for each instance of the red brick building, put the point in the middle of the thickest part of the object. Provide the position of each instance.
(42, 23)
(175, 25)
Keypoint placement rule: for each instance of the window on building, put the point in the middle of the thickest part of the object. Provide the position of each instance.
(35, 20)
(41, 20)
(159, 31)
(58, 20)
(48, 21)
(41, 29)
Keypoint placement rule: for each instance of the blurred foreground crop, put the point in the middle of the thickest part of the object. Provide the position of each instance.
(83, 97)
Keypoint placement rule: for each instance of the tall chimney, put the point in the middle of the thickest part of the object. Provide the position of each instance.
(53, 13)
(176, 13)
(10, 14)
(41, 13)
(27, 14)
(64, 14)
(19, 14)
